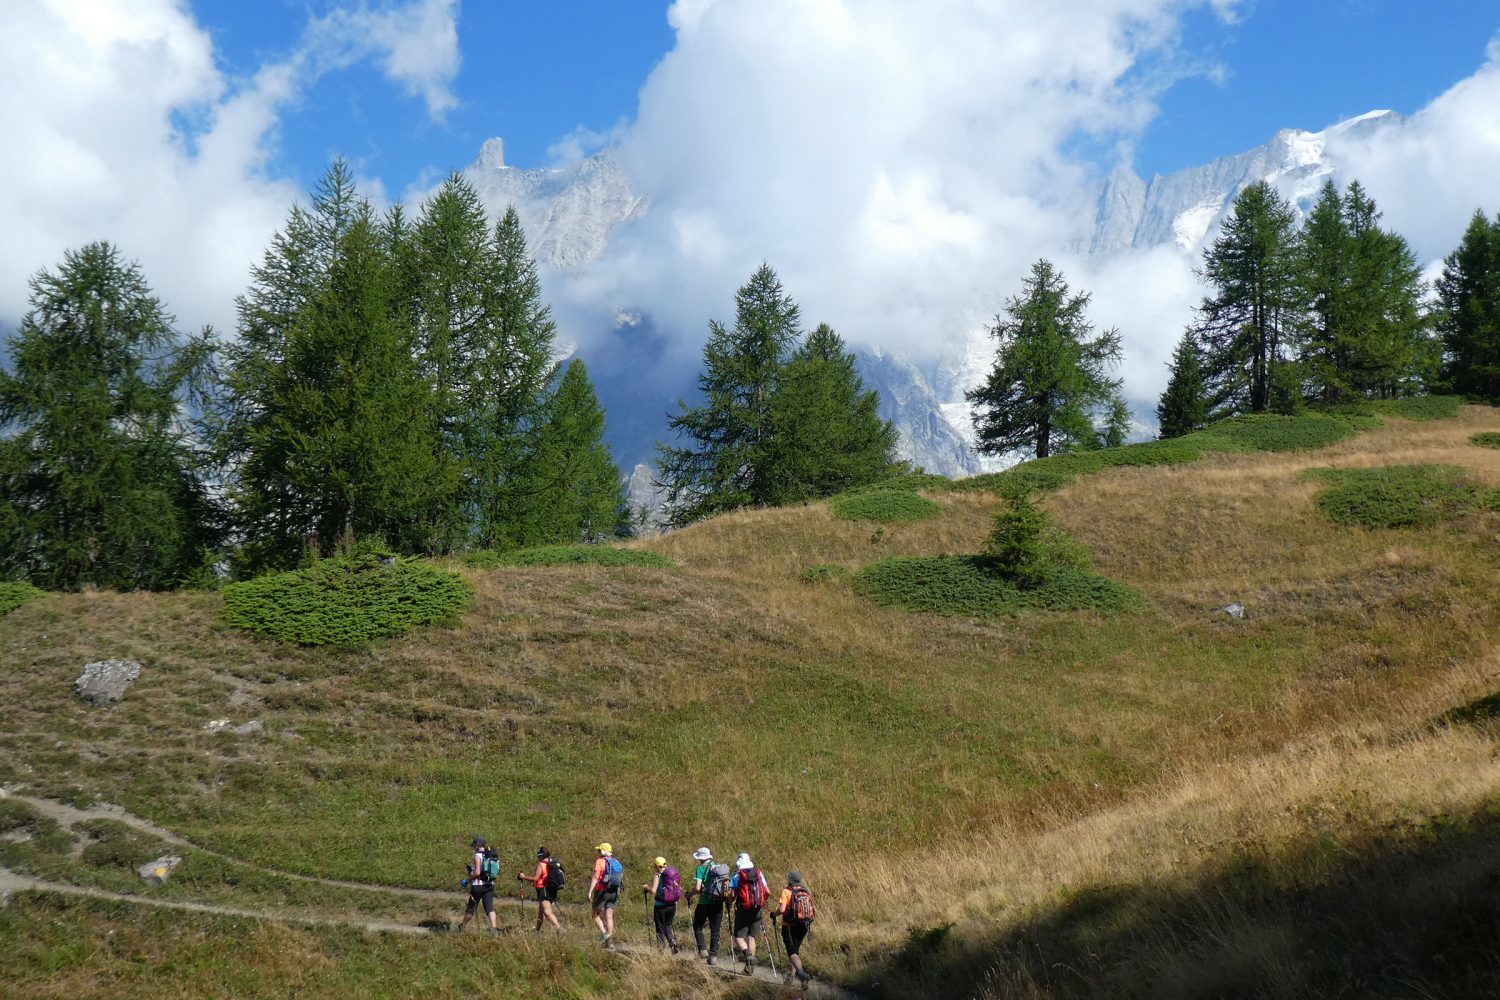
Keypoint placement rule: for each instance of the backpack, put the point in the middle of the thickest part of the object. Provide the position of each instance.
(801, 909)
(489, 867)
(751, 893)
(556, 877)
(614, 874)
(717, 888)
(670, 889)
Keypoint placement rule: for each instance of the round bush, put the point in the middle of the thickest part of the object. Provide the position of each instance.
(1489, 439)
(350, 599)
(13, 595)
(888, 506)
(972, 585)
(1399, 496)
(568, 555)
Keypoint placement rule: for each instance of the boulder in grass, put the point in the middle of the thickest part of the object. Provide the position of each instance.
(158, 871)
(104, 681)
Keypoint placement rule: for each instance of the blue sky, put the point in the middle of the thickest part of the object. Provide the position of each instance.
(534, 72)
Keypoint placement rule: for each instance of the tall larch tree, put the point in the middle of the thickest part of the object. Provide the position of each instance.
(827, 432)
(577, 491)
(1246, 326)
(330, 421)
(1468, 312)
(102, 481)
(1049, 389)
(724, 464)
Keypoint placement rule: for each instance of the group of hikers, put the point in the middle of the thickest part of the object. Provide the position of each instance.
(716, 890)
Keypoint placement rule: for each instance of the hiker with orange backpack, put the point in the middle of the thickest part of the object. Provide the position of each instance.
(664, 889)
(547, 879)
(750, 892)
(604, 892)
(796, 913)
(711, 889)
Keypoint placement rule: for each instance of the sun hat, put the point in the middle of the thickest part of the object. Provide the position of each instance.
(702, 854)
(793, 878)
(661, 862)
(743, 863)
(604, 847)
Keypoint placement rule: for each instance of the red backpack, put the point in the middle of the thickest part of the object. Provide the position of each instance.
(751, 893)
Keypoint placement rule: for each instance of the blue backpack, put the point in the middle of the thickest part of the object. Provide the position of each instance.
(489, 866)
(614, 874)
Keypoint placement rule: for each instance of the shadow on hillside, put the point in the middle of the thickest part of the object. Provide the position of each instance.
(1414, 913)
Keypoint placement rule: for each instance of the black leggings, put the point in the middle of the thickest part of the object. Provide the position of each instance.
(480, 894)
(792, 935)
(712, 915)
(664, 915)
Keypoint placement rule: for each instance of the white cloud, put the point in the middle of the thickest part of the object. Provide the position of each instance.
(93, 97)
(899, 164)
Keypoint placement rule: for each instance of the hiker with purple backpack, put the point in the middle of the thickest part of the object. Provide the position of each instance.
(665, 889)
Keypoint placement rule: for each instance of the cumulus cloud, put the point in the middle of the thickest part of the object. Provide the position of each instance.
(119, 125)
(1429, 175)
(899, 164)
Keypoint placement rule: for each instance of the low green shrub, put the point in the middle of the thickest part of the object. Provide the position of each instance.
(1042, 475)
(881, 504)
(919, 481)
(1419, 407)
(825, 573)
(974, 586)
(349, 599)
(1488, 439)
(1273, 432)
(567, 555)
(13, 595)
(1400, 496)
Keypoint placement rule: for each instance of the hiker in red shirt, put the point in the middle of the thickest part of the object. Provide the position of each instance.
(546, 880)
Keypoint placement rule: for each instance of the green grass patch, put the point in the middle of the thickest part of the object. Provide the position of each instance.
(970, 585)
(1400, 496)
(1273, 432)
(1409, 408)
(567, 555)
(888, 506)
(825, 573)
(13, 595)
(349, 599)
(1488, 439)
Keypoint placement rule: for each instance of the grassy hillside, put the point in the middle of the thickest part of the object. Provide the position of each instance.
(1091, 784)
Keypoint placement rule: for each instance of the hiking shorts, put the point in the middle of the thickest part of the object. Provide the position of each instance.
(546, 894)
(605, 899)
(792, 934)
(480, 894)
(747, 922)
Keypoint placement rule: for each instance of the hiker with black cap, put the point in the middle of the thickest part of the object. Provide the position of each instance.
(483, 869)
(604, 892)
(750, 892)
(664, 890)
(710, 889)
(547, 879)
(795, 911)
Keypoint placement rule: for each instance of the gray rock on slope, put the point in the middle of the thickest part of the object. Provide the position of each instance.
(158, 871)
(104, 681)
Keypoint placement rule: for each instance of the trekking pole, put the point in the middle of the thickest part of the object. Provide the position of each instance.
(772, 950)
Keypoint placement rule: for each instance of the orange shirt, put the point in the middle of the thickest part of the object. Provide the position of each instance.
(601, 865)
(784, 905)
(541, 875)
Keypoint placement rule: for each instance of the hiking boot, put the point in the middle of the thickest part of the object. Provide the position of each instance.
(750, 965)
(711, 959)
(702, 953)
(605, 940)
(803, 977)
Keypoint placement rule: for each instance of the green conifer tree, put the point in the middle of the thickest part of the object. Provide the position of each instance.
(575, 491)
(330, 419)
(827, 434)
(1245, 327)
(1048, 390)
(1184, 405)
(1469, 311)
(101, 482)
(724, 466)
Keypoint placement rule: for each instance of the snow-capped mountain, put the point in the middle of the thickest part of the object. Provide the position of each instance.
(570, 213)
(1186, 207)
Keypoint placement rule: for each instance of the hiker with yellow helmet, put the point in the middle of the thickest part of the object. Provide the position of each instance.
(604, 892)
(664, 889)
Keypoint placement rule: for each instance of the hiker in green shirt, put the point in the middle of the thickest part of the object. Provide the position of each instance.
(710, 889)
